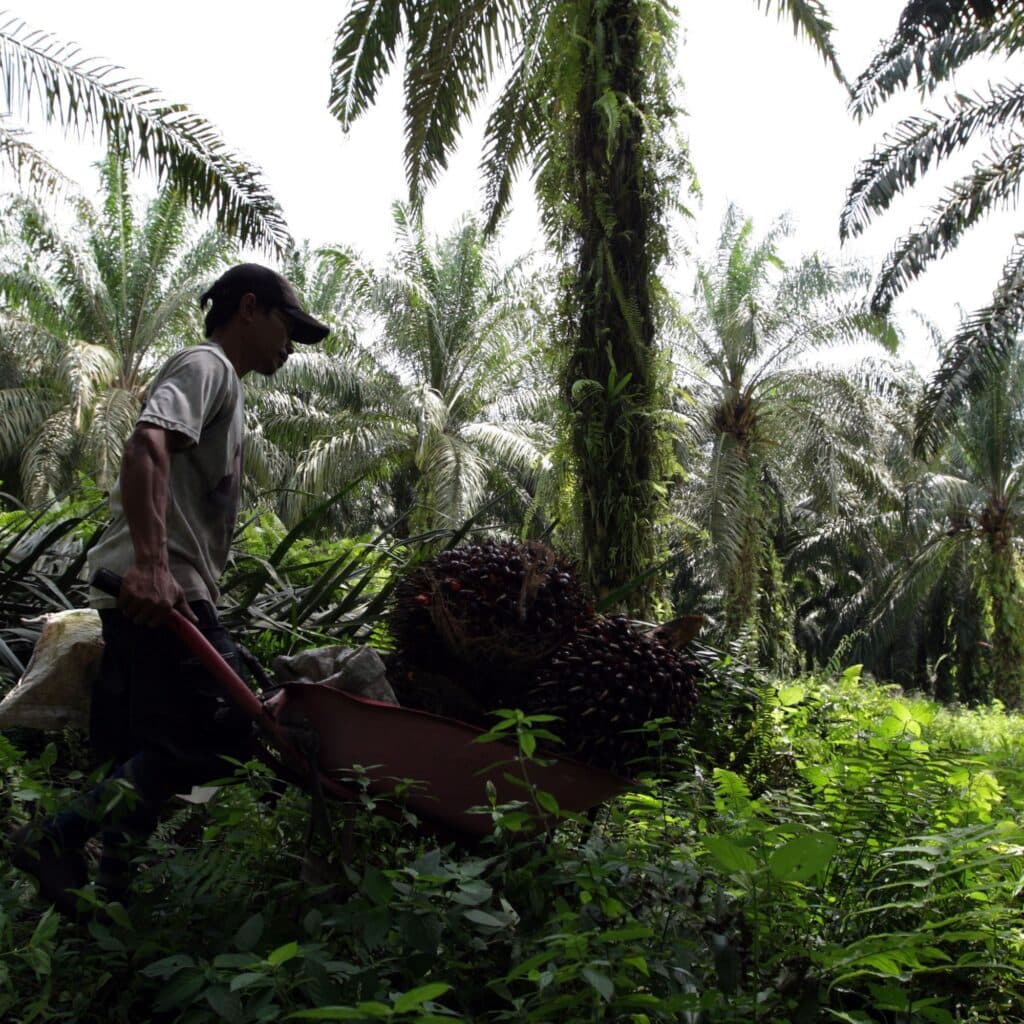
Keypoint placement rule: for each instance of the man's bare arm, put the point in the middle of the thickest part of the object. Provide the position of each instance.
(149, 591)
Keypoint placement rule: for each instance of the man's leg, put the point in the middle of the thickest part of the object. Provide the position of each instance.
(125, 808)
(158, 687)
(155, 776)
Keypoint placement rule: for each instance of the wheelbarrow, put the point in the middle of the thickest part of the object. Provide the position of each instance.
(387, 743)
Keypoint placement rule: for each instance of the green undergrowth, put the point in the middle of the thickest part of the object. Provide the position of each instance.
(812, 851)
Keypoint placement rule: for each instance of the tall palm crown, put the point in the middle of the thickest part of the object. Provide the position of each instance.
(439, 411)
(933, 41)
(44, 77)
(770, 427)
(89, 308)
(455, 49)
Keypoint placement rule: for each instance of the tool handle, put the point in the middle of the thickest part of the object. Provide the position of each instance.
(234, 688)
(107, 581)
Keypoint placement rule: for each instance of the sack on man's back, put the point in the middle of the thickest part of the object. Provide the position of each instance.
(56, 688)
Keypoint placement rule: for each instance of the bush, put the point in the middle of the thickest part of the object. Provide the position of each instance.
(874, 883)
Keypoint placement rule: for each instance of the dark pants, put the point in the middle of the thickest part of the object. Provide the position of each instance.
(156, 709)
(159, 716)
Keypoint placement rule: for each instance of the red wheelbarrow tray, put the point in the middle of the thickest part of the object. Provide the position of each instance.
(391, 743)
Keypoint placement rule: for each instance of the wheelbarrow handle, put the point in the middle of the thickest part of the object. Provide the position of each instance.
(107, 581)
(210, 658)
(230, 682)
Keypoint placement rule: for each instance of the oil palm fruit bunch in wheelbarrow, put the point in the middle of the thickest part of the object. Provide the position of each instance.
(508, 624)
(481, 610)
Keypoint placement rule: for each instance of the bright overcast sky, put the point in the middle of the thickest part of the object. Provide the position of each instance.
(767, 125)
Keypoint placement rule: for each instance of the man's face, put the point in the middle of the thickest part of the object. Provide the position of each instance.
(271, 340)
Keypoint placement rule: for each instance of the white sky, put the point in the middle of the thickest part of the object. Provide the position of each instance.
(767, 124)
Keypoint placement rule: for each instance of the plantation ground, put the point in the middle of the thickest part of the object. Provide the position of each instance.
(816, 850)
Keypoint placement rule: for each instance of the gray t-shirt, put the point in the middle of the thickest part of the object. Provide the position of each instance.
(198, 394)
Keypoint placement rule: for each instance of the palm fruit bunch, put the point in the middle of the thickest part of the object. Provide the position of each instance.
(480, 609)
(605, 684)
(508, 624)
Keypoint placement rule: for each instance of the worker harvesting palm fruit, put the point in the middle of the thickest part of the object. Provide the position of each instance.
(156, 712)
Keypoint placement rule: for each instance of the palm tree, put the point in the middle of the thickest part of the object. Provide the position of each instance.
(772, 430)
(42, 77)
(960, 559)
(933, 41)
(588, 90)
(440, 413)
(88, 310)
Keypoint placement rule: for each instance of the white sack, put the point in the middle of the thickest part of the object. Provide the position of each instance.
(56, 688)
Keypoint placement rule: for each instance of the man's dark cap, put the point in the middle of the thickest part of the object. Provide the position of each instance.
(273, 292)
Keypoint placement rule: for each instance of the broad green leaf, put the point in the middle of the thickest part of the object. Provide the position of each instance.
(547, 801)
(428, 864)
(283, 954)
(167, 966)
(900, 710)
(180, 991)
(729, 856)
(472, 893)
(235, 960)
(337, 1013)
(418, 996)
(601, 983)
(377, 886)
(46, 929)
(891, 727)
(482, 917)
(249, 934)
(248, 979)
(224, 1002)
(803, 858)
(789, 696)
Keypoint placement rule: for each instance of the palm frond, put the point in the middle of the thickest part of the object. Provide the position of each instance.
(35, 174)
(514, 127)
(966, 203)
(82, 94)
(454, 48)
(974, 357)
(112, 420)
(85, 369)
(22, 412)
(811, 19)
(511, 445)
(932, 40)
(364, 50)
(918, 144)
(48, 457)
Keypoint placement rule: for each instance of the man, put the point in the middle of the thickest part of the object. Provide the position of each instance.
(156, 712)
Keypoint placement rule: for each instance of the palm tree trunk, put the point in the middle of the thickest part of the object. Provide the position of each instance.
(740, 605)
(1007, 597)
(610, 382)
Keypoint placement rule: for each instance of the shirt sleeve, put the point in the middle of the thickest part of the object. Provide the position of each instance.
(188, 393)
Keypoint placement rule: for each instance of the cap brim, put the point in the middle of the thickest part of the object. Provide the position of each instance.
(306, 330)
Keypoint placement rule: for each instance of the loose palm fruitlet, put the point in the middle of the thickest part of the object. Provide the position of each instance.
(606, 682)
(484, 612)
